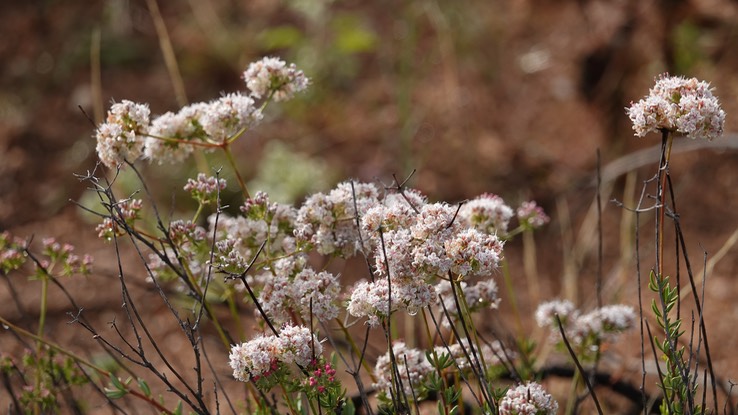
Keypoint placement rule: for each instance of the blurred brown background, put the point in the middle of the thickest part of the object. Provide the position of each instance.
(511, 97)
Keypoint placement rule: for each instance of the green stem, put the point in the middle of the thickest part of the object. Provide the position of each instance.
(512, 297)
(530, 268)
(232, 162)
(41, 326)
(667, 139)
(572, 394)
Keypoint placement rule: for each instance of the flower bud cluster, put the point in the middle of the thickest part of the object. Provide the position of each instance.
(532, 216)
(480, 296)
(204, 189)
(122, 136)
(293, 288)
(488, 213)
(411, 365)
(126, 211)
(12, 252)
(63, 255)
(327, 222)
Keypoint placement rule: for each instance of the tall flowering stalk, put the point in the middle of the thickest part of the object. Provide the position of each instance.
(675, 105)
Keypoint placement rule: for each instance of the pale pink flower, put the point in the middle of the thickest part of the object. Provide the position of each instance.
(531, 215)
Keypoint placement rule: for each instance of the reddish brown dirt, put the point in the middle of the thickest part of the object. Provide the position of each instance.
(513, 98)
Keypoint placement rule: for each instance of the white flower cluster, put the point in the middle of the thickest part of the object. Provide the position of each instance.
(528, 399)
(414, 243)
(239, 238)
(601, 324)
(418, 367)
(488, 213)
(121, 137)
(170, 133)
(263, 355)
(482, 295)
(461, 353)
(678, 104)
(293, 288)
(274, 76)
(328, 221)
(411, 374)
(172, 137)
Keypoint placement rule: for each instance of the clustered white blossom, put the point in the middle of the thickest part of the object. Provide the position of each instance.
(415, 243)
(680, 105)
(121, 137)
(601, 324)
(328, 221)
(171, 137)
(528, 399)
(274, 76)
(488, 213)
(293, 287)
(414, 367)
(492, 354)
(479, 296)
(263, 355)
(239, 238)
(229, 116)
(170, 134)
(411, 374)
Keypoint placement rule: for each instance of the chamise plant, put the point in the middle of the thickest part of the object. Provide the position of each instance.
(295, 337)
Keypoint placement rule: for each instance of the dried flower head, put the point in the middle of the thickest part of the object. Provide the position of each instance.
(681, 105)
